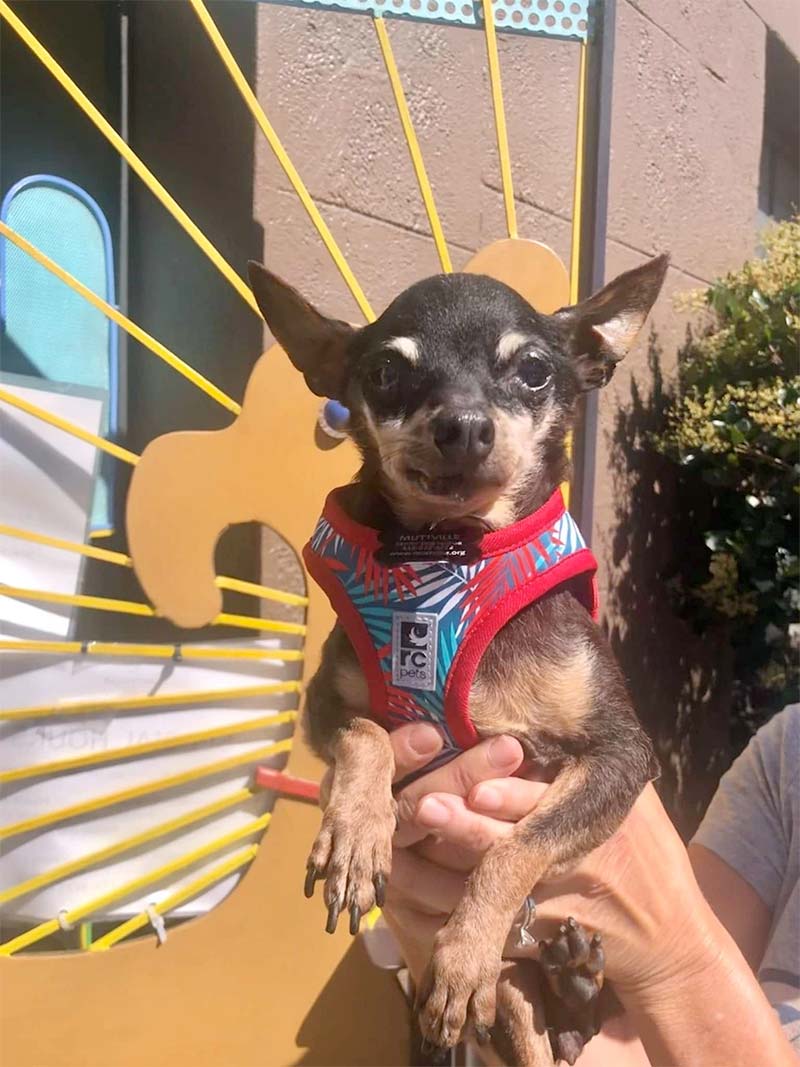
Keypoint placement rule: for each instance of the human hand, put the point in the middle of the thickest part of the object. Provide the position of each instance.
(414, 923)
(637, 888)
(686, 988)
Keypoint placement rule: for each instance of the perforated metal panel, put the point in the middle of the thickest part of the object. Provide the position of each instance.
(564, 19)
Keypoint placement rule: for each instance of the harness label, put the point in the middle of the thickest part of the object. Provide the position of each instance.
(414, 646)
(429, 546)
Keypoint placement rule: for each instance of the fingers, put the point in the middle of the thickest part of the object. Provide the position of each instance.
(414, 747)
(506, 798)
(421, 885)
(454, 824)
(493, 758)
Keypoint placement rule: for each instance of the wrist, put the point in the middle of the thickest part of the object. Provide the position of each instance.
(710, 1012)
(686, 959)
(671, 952)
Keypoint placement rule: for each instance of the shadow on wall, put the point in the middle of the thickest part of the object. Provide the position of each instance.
(680, 680)
(356, 996)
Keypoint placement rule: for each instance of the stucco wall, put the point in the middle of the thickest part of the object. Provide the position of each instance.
(686, 141)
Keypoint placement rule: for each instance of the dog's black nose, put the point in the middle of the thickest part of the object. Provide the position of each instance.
(463, 435)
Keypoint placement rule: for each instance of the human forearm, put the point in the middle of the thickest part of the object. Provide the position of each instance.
(710, 1010)
(680, 976)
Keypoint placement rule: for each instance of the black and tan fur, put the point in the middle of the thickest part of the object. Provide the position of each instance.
(450, 356)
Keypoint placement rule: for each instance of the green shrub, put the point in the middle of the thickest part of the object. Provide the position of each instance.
(733, 426)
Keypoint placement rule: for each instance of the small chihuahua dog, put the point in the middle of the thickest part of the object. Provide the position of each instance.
(453, 539)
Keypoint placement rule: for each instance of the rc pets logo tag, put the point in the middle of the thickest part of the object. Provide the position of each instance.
(414, 639)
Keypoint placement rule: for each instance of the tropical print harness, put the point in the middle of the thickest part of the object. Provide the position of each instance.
(420, 626)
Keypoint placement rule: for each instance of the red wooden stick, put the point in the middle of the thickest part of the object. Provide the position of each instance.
(286, 784)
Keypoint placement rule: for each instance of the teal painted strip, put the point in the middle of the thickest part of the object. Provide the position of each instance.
(562, 19)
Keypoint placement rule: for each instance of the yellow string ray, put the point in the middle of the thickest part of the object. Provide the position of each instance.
(264, 592)
(68, 427)
(144, 651)
(64, 870)
(577, 209)
(127, 324)
(130, 157)
(146, 701)
(216, 874)
(133, 607)
(159, 785)
(281, 155)
(577, 192)
(111, 755)
(413, 143)
(74, 915)
(499, 117)
(91, 551)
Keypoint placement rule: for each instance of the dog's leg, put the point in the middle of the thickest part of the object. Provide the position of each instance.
(353, 849)
(519, 1034)
(582, 808)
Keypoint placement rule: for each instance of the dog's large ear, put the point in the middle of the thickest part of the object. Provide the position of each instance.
(601, 330)
(316, 345)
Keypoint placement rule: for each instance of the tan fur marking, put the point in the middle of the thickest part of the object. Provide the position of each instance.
(550, 696)
(519, 443)
(406, 346)
(351, 685)
(509, 343)
(620, 332)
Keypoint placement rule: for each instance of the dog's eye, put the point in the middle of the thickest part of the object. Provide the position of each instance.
(384, 374)
(533, 371)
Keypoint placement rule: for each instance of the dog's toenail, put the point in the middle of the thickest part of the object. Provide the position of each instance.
(355, 919)
(379, 882)
(333, 917)
(311, 880)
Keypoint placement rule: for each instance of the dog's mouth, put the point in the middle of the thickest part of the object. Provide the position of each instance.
(458, 487)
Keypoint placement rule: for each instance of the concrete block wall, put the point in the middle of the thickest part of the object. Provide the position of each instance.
(686, 143)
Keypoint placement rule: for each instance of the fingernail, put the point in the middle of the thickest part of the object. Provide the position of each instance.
(432, 812)
(424, 740)
(487, 798)
(503, 752)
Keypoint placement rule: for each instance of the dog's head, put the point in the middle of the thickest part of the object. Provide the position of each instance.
(461, 394)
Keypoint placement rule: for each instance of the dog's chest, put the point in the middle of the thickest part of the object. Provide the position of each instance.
(533, 679)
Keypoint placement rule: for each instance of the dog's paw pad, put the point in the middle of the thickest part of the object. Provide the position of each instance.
(573, 964)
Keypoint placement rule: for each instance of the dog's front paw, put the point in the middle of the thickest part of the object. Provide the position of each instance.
(353, 853)
(458, 991)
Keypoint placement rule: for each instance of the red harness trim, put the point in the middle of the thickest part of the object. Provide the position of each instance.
(352, 622)
(465, 663)
(580, 564)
